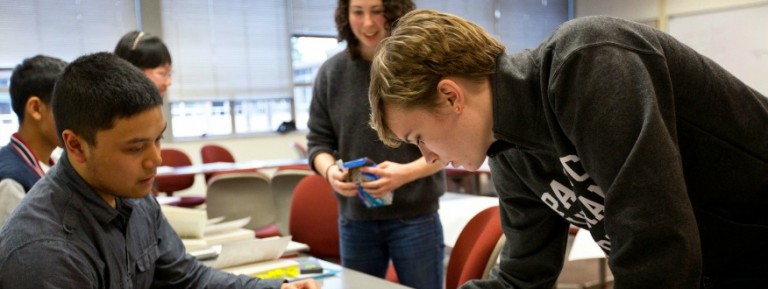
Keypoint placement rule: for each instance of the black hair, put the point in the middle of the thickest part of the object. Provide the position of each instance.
(393, 9)
(35, 76)
(143, 50)
(97, 89)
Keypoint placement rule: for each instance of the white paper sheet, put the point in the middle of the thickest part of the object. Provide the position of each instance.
(251, 251)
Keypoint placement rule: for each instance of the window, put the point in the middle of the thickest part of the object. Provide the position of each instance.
(309, 52)
(232, 58)
(231, 66)
(62, 29)
(9, 122)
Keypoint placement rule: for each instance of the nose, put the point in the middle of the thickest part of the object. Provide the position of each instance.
(429, 156)
(154, 158)
(368, 19)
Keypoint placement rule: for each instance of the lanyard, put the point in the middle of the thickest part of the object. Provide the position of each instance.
(26, 154)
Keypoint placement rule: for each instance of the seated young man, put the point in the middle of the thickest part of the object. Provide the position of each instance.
(91, 222)
(27, 156)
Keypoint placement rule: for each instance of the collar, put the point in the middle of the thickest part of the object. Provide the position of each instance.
(92, 202)
(518, 103)
(497, 147)
(20, 147)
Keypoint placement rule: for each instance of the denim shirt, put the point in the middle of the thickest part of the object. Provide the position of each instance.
(63, 235)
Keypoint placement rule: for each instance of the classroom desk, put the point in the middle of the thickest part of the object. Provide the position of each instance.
(225, 167)
(457, 209)
(351, 279)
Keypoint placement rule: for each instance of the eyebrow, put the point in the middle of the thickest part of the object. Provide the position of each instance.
(146, 139)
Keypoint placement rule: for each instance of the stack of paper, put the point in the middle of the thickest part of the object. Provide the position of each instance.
(197, 232)
(257, 258)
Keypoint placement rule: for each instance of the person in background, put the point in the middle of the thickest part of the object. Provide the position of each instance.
(407, 232)
(608, 125)
(91, 223)
(27, 156)
(148, 53)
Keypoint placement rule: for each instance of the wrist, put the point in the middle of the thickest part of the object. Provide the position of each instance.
(328, 171)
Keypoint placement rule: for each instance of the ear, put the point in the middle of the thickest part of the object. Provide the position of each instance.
(34, 108)
(450, 91)
(75, 146)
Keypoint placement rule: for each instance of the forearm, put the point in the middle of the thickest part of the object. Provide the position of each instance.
(322, 163)
(420, 168)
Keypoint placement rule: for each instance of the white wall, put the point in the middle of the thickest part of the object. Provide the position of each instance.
(649, 10)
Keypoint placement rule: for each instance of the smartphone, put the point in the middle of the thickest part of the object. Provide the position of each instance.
(356, 175)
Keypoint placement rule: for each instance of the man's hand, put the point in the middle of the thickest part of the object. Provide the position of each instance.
(303, 284)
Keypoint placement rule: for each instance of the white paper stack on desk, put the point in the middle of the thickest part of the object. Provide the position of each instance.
(198, 232)
(202, 237)
(256, 258)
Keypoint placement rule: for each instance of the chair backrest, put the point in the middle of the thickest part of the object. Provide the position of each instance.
(314, 217)
(303, 167)
(169, 184)
(284, 181)
(212, 153)
(300, 149)
(474, 248)
(239, 195)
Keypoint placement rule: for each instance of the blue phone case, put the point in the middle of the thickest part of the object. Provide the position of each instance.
(358, 176)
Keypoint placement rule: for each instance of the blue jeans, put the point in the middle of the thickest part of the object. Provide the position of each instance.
(415, 246)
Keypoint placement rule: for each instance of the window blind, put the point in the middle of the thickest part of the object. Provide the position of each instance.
(314, 17)
(63, 29)
(224, 50)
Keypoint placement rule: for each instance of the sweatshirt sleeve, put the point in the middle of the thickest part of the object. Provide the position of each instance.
(533, 254)
(322, 136)
(616, 108)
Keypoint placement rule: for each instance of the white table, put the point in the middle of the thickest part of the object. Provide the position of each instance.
(457, 209)
(224, 167)
(351, 279)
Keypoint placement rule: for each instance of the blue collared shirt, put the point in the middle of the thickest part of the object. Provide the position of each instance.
(63, 235)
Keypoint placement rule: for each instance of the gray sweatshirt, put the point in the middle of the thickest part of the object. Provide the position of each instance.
(620, 129)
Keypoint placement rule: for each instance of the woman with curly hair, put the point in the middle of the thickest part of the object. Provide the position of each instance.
(408, 231)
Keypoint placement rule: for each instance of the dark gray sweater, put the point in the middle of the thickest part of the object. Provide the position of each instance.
(338, 124)
(620, 129)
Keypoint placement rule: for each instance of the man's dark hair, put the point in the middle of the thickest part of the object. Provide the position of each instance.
(143, 50)
(35, 76)
(97, 89)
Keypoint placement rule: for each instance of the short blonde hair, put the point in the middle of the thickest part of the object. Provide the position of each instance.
(424, 47)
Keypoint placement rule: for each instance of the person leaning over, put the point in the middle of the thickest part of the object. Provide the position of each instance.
(27, 156)
(91, 222)
(608, 125)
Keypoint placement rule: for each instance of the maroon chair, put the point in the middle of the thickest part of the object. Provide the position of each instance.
(461, 181)
(475, 249)
(314, 218)
(300, 149)
(212, 153)
(169, 184)
(301, 167)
